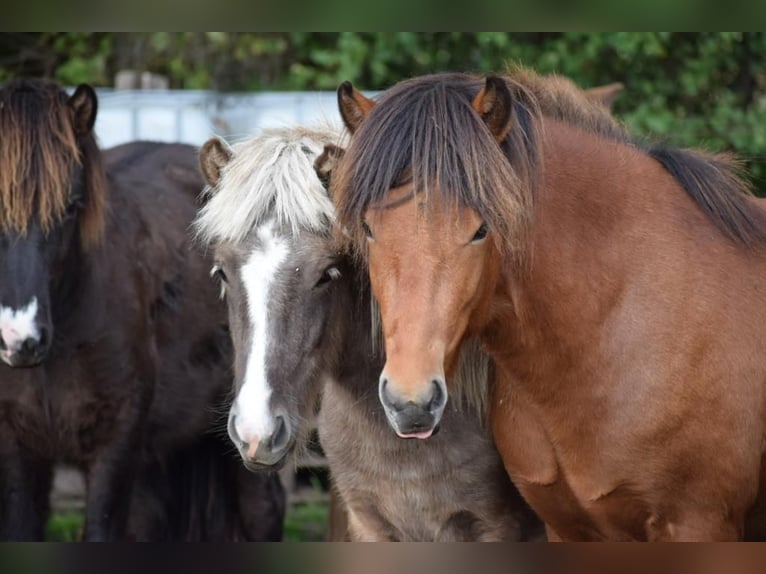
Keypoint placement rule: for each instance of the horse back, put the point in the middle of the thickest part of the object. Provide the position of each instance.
(152, 205)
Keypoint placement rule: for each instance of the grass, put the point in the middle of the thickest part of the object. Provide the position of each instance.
(305, 521)
(64, 527)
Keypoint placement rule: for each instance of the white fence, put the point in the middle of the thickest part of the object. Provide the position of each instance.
(193, 116)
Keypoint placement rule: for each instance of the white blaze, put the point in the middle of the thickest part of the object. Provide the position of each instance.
(254, 419)
(18, 325)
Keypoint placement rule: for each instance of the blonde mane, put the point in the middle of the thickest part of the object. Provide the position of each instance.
(270, 176)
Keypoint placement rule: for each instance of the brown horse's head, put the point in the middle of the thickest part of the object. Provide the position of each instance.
(52, 192)
(434, 203)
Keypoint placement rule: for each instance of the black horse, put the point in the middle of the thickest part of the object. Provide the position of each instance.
(115, 348)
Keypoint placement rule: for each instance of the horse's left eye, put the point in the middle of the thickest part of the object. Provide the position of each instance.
(366, 230)
(480, 234)
(218, 272)
(73, 207)
(330, 274)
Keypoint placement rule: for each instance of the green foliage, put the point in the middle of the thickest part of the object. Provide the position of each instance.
(83, 59)
(695, 89)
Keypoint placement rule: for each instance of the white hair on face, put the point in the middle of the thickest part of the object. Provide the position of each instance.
(17, 325)
(270, 176)
(254, 417)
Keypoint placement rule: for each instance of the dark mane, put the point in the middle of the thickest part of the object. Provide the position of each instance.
(428, 134)
(559, 98)
(40, 156)
(716, 182)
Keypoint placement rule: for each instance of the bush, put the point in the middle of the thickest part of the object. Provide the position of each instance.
(695, 89)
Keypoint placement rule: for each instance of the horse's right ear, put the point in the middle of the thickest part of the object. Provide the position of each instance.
(84, 104)
(353, 106)
(493, 103)
(605, 95)
(325, 163)
(213, 156)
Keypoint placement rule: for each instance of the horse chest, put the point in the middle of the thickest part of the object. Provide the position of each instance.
(579, 500)
(409, 491)
(66, 417)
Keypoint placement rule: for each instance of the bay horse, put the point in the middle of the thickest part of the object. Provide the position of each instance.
(617, 285)
(115, 352)
(302, 326)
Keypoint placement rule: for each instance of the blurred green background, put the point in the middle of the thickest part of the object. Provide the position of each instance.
(695, 89)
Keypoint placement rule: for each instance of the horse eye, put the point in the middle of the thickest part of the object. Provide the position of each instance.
(218, 273)
(367, 230)
(480, 234)
(330, 274)
(74, 206)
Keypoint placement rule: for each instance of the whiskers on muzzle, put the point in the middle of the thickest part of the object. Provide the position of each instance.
(268, 449)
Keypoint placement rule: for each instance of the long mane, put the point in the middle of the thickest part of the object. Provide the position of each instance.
(40, 154)
(269, 176)
(423, 131)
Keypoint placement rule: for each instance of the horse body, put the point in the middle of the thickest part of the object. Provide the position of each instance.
(624, 318)
(318, 329)
(653, 334)
(138, 353)
(408, 491)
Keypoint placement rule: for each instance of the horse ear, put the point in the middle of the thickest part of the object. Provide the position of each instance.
(605, 95)
(353, 106)
(84, 104)
(493, 103)
(326, 162)
(213, 156)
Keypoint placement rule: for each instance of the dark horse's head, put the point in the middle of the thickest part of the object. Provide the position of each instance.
(51, 205)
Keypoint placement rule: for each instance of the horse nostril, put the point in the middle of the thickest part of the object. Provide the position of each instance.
(438, 396)
(383, 393)
(29, 346)
(281, 436)
(232, 430)
(43, 337)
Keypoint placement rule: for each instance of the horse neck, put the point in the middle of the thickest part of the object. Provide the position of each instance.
(73, 286)
(593, 191)
(359, 360)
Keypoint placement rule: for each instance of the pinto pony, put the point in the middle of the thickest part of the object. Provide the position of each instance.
(618, 286)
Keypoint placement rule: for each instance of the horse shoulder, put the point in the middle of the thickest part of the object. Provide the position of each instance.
(526, 450)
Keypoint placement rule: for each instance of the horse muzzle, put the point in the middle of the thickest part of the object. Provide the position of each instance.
(29, 352)
(263, 453)
(414, 417)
